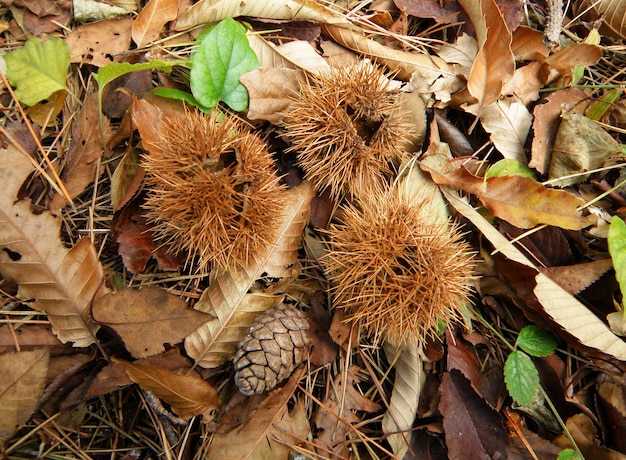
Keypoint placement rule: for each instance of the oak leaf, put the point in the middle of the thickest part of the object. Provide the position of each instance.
(228, 298)
(22, 383)
(146, 319)
(62, 282)
(187, 395)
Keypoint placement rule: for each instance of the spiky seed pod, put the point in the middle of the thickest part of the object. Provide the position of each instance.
(212, 190)
(347, 129)
(400, 275)
(275, 346)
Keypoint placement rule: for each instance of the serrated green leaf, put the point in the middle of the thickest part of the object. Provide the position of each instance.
(521, 377)
(223, 56)
(535, 341)
(508, 167)
(39, 69)
(111, 71)
(617, 249)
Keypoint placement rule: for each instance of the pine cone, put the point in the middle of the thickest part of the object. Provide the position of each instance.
(276, 344)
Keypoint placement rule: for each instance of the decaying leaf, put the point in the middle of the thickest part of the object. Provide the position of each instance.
(519, 200)
(269, 431)
(228, 299)
(95, 42)
(62, 282)
(151, 19)
(21, 386)
(147, 318)
(187, 395)
(580, 146)
(473, 428)
(85, 151)
(508, 123)
(611, 12)
(271, 92)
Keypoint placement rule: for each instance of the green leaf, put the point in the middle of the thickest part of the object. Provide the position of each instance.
(39, 69)
(535, 341)
(617, 249)
(223, 56)
(569, 454)
(508, 167)
(111, 71)
(177, 94)
(521, 377)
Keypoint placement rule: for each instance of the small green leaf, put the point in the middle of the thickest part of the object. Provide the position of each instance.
(569, 454)
(617, 249)
(177, 94)
(521, 377)
(111, 71)
(535, 341)
(39, 69)
(509, 167)
(223, 56)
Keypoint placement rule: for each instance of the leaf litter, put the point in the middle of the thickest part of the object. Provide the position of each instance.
(109, 315)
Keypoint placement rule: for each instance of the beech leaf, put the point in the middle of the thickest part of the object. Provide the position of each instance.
(22, 384)
(521, 377)
(519, 200)
(228, 299)
(62, 282)
(187, 395)
(39, 69)
(473, 429)
(222, 57)
(150, 21)
(147, 318)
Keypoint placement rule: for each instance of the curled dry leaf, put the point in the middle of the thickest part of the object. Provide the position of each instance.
(21, 386)
(613, 14)
(271, 92)
(187, 395)
(150, 21)
(63, 282)
(519, 200)
(147, 318)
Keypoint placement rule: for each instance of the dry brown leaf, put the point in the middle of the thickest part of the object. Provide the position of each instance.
(612, 12)
(146, 319)
(527, 81)
(302, 55)
(271, 92)
(585, 435)
(187, 395)
(528, 45)
(85, 151)
(547, 117)
(577, 278)
(519, 200)
(228, 298)
(151, 19)
(27, 338)
(63, 283)
(336, 415)
(494, 62)
(21, 386)
(269, 431)
(508, 123)
(95, 42)
(572, 55)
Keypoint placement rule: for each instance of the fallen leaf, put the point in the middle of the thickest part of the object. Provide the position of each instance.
(28, 337)
(527, 45)
(92, 10)
(519, 200)
(187, 395)
(23, 379)
(473, 429)
(146, 319)
(580, 145)
(429, 9)
(271, 92)
(86, 149)
(494, 62)
(151, 20)
(572, 55)
(95, 42)
(584, 433)
(63, 283)
(576, 278)
(612, 401)
(269, 431)
(508, 122)
(612, 15)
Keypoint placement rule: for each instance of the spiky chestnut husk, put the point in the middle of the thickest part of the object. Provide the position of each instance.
(347, 130)
(400, 275)
(212, 190)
